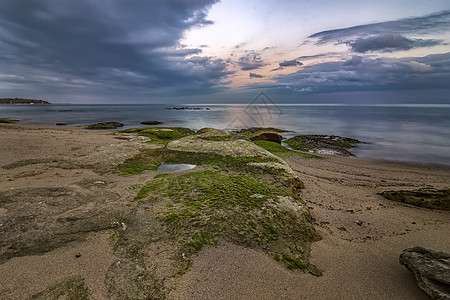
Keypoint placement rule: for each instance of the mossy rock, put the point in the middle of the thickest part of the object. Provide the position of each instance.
(283, 152)
(266, 135)
(161, 135)
(425, 197)
(204, 207)
(8, 121)
(105, 125)
(323, 144)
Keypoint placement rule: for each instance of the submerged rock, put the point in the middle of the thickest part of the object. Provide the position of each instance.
(425, 197)
(431, 269)
(151, 122)
(105, 125)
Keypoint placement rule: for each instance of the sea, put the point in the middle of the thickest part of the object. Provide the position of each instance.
(418, 133)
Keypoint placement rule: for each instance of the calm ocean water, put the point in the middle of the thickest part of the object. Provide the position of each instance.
(415, 133)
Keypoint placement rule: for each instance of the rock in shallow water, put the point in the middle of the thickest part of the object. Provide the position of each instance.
(105, 125)
(431, 269)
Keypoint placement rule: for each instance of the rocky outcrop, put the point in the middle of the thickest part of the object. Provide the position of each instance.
(323, 144)
(425, 197)
(431, 269)
(105, 125)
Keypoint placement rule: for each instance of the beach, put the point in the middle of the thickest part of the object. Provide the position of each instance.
(362, 232)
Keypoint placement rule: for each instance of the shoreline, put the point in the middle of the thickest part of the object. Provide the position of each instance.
(369, 159)
(358, 260)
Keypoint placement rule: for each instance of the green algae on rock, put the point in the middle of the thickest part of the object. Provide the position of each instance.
(322, 144)
(8, 121)
(105, 125)
(241, 193)
(161, 135)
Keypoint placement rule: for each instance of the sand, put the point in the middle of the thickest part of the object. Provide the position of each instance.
(363, 233)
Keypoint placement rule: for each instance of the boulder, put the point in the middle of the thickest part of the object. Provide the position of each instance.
(431, 269)
(266, 135)
(151, 122)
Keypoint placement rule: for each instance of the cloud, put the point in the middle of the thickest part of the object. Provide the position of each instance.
(254, 75)
(434, 23)
(389, 43)
(367, 74)
(109, 48)
(251, 61)
(288, 63)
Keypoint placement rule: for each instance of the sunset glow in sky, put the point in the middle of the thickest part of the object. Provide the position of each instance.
(100, 51)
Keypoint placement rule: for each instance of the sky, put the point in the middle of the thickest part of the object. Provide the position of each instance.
(208, 51)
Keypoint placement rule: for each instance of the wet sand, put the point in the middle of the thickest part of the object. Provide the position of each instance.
(363, 233)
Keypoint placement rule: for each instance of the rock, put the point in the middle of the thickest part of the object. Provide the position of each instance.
(323, 144)
(8, 121)
(425, 197)
(266, 135)
(151, 122)
(60, 124)
(238, 148)
(105, 125)
(431, 269)
(212, 132)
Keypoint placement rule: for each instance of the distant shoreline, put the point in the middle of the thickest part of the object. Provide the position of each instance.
(22, 101)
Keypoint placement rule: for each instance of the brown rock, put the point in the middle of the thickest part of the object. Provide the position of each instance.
(266, 135)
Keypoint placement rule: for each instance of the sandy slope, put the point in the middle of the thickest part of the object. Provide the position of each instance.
(363, 233)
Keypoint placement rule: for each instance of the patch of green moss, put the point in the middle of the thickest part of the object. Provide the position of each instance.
(8, 121)
(291, 261)
(282, 151)
(210, 205)
(209, 159)
(161, 135)
(200, 240)
(148, 160)
(213, 189)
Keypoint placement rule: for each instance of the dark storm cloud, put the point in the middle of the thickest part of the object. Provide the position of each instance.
(104, 47)
(365, 74)
(255, 75)
(251, 61)
(389, 43)
(435, 23)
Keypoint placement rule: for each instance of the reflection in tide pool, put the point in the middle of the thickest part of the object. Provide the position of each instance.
(169, 168)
